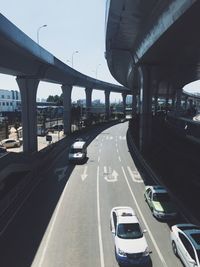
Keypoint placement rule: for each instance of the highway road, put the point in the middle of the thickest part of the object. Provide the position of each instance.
(65, 220)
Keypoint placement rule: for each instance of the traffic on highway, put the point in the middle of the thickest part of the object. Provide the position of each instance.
(102, 212)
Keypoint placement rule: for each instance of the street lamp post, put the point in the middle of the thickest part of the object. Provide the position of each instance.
(75, 52)
(97, 70)
(38, 31)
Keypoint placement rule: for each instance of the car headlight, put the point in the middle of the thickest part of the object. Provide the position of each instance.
(146, 252)
(121, 253)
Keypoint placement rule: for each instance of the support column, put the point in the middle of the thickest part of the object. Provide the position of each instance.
(124, 103)
(145, 131)
(28, 89)
(107, 104)
(67, 90)
(167, 98)
(178, 101)
(186, 103)
(88, 92)
(134, 104)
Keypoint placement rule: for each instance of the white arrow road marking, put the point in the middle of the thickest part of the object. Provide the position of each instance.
(61, 172)
(84, 175)
(110, 176)
(135, 175)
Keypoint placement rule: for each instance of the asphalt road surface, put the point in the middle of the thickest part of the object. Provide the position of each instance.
(65, 220)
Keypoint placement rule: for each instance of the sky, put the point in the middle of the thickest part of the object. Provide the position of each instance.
(72, 25)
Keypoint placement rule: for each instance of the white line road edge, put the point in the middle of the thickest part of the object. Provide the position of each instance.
(99, 222)
(52, 227)
(146, 225)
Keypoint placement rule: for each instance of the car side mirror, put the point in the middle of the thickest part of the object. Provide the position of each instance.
(144, 231)
(113, 232)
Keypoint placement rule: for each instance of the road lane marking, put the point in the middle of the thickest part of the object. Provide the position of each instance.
(84, 175)
(52, 227)
(119, 158)
(98, 158)
(61, 172)
(144, 221)
(99, 151)
(117, 150)
(99, 222)
(110, 176)
(135, 175)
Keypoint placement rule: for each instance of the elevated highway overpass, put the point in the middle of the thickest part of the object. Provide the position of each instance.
(30, 63)
(152, 47)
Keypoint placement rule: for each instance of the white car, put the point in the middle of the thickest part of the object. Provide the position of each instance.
(185, 240)
(78, 151)
(130, 244)
(8, 143)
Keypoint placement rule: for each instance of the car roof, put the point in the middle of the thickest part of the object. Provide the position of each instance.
(192, 232)
(78, 144)
(157, 189)
(9, 139)
(125, 215)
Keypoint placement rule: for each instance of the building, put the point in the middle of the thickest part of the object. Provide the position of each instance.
(10, 101)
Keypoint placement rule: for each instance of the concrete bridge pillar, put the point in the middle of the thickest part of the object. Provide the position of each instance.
(190, 103)
(134, 104)
(88, 92)
(145, 131)
(67, 90)
(28, 89)
(178, 101)
(124, 95)
(186, 102)
(167, 97)
(107, 104)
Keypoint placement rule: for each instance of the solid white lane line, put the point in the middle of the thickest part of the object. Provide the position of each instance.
(99, 222)
(145, 223)
(52, 227)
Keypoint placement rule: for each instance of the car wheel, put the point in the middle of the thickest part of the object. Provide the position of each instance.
(174, 248)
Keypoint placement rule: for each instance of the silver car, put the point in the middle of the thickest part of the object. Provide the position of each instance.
(185, 240)
(8, 143)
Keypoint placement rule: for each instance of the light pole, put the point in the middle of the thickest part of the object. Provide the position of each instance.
(75, 52)
(97, 70)
(38, 31)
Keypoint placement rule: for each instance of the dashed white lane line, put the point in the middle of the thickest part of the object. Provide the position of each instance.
(117, 151)
(98, 158)
(119, 158)
(145, 223)
(99, 222)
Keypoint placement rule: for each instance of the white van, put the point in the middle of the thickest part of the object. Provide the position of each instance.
(78, 151)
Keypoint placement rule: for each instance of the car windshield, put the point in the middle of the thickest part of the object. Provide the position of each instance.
(161, 197)
(76, 150)
(129, 231)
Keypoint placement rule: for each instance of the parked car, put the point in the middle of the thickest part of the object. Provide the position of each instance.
(8, 143)
(130, 243)
(185, 240)
(159, 202)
